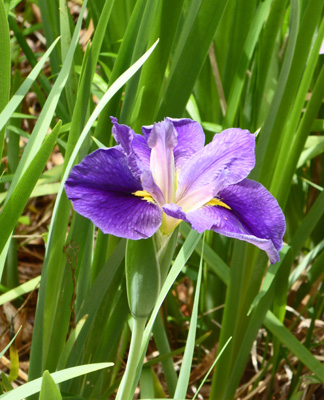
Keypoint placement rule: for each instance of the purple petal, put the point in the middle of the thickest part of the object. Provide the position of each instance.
(190, 136)
(135, 147)
(102, 189)
(162, 140)
(151, 187)
(255, 217)
(228, 159)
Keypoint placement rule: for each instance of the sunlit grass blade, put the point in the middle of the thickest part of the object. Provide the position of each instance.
(34, 386)
(24, 288)
(16, 99)
(32, 59)
(211, 368)
(184, 375)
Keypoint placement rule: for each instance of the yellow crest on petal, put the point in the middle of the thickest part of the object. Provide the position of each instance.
(217, 202)
(145, 195)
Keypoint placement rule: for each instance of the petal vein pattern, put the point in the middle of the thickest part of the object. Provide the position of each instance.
(165, 176)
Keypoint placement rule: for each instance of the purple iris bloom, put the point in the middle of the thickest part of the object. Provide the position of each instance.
(155, 180)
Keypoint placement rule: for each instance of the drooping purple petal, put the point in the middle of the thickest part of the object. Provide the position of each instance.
(102, 189)
(134, 145)
(255, 217)
(190, 136)
(231, 150)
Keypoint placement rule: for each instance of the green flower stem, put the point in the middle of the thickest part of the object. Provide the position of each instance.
(127, 383)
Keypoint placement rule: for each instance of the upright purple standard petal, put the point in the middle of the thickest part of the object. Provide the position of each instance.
(102, 189)
(190, 137)
(134, 146)
(254, 216)
(161, 141)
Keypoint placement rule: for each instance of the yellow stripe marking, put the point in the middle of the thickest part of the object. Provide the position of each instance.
(145, 195)
(217, 202)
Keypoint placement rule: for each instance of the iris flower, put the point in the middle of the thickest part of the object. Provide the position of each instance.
(156, 180)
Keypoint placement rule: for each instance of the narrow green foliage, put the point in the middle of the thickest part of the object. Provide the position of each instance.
(10, 108)
(49, 390)
(248, 49)
(34, 386)
(192, 54)
(71, 83)
(5, 66)
(17, 200)
(9, 344)
(292, 343)
(184, 374)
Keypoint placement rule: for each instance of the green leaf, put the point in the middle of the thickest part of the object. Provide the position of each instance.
(70, 343)
(8, 111)
(61, 376)
(211, 368)
(20, 290)
(308, 224)
(32, 59)
(5, 383)
(19, 197)
(311, 152)
(49, 390)
(249, 46)
(272, 323)
(190, 54)
(71, 83)
(5, 66)
(39, 190)
(184, 375)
